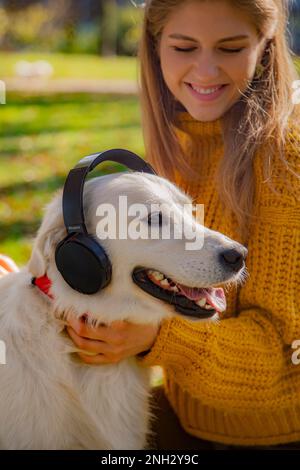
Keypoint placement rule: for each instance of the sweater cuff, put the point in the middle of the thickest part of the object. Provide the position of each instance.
(154, 356)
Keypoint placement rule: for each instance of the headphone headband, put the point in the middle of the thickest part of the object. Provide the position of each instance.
(73, 188)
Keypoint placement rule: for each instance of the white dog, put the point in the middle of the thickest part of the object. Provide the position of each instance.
(48, 398)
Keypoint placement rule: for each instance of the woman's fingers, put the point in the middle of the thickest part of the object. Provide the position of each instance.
(105, 333)
(101, 351)
(85, 330)
(111, 343)
(86, 344)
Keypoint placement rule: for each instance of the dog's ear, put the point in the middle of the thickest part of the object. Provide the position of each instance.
(51, 231)
(37, 262)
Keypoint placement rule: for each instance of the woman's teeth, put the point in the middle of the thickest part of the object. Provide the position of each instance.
(205, 91)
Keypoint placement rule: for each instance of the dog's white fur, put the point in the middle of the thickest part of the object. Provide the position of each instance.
(48, 398)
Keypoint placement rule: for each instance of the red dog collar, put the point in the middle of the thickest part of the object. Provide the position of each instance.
(43, 283)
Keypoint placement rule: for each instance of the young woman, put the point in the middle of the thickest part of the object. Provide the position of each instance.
(219, 120)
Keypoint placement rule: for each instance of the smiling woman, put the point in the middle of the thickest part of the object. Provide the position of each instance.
(212, 60)
(203, 67)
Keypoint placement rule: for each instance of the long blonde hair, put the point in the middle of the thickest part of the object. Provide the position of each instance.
(258, 119)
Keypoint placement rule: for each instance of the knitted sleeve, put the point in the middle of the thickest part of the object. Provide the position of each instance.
(243, 361)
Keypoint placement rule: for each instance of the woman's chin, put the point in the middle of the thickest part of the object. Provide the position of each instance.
(205, 115)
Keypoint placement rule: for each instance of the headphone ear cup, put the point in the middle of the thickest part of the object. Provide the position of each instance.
(83, 263)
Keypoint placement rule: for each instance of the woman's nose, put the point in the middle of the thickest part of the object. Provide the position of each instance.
(206, 69)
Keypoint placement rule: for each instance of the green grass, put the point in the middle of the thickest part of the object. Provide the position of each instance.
(41, 138)
(74, 65)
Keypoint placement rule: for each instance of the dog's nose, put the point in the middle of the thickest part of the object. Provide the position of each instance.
(234, 258)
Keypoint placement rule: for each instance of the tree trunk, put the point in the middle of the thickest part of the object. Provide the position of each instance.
(109, 28)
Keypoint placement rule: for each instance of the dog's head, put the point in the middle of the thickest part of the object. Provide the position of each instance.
(167, 263)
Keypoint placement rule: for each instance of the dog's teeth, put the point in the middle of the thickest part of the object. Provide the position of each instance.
(201, 302)
(157, 275)
(164, 282)
(208, 307)
(175, 288)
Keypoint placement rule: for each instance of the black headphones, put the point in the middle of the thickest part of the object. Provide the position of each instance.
(79, 258)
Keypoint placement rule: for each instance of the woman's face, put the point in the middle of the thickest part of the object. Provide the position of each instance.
(197, 57)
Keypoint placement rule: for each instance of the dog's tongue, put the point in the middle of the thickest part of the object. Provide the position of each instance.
(214, 296)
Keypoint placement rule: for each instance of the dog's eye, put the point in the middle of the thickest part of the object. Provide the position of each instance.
(155, 218)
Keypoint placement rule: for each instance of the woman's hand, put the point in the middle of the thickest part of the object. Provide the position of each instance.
(7, 265)
(113, 343)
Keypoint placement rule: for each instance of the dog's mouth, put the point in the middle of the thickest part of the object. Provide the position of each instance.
(190, 301)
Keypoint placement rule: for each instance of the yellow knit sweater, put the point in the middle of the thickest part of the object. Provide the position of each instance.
(234, 381)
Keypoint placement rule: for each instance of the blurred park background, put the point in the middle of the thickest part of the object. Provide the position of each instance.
(71, 73)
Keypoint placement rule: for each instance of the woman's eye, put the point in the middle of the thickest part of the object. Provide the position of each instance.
(184, 50)
(155, 218)
(233, 50)
(193, 48)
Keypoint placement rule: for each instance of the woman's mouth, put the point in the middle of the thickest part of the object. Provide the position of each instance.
(206, 94)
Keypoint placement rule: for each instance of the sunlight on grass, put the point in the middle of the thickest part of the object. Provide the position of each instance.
(41, 139)
(74, 65)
